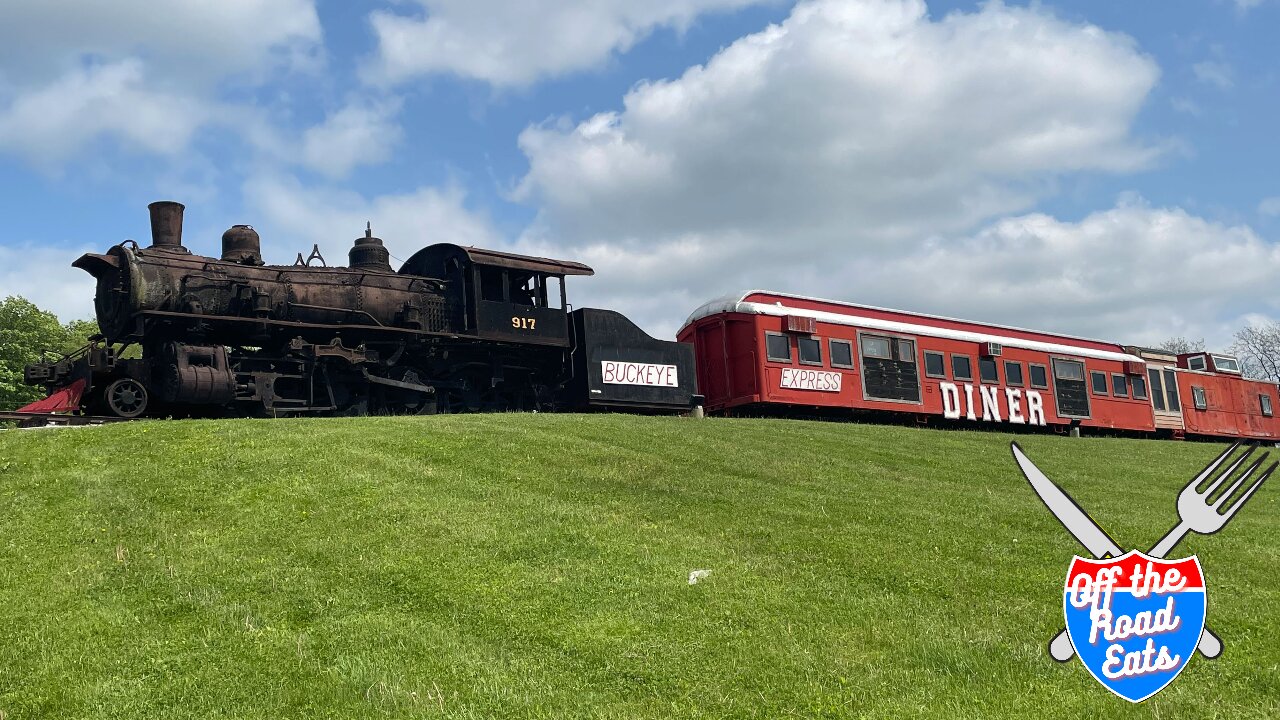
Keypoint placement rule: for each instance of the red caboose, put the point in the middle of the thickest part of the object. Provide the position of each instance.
(774, 349)
(1217, 400)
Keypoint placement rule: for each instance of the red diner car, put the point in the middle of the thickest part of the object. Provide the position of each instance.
(767, 350)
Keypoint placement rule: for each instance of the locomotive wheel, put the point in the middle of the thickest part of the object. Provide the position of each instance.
(127, 398)
(410, 402)
(455, 401)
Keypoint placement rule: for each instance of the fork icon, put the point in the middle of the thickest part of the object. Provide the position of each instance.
(1196, 513)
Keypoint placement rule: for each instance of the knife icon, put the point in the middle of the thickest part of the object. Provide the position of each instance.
(1091, 536)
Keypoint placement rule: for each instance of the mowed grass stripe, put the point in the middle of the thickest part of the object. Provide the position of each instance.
(536, 566)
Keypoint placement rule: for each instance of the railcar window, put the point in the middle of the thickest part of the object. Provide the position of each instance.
(1013, 373)
(907, 350)
(1120, 386)
(876, 347)
(1266, 404)
(1171, 390)
(810, 350)
(554, 286)
(1225, 364)
(1039, 376)
(1157, 389)
(493, 286)
(961, 367)
(1196, 363)
(1068, 370)
(1139, 387)
(525, 290)
(1099, 382)
(841, 353)
(777, 347)
(987, 369)
(934, 364)
(1199, 398)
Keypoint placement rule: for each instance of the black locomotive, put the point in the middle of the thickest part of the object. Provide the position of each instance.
(456, 329)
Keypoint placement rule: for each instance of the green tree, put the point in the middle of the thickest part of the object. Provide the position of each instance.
(25, 332)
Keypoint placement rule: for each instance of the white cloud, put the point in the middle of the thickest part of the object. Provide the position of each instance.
(1214, 72)
(149, 75)
(1269, 207)
(49, 124)
(291, 217)
(196, 39)
(43, 275)
(360, 133)
(852, 129)
(1133, 274)
(516, 42)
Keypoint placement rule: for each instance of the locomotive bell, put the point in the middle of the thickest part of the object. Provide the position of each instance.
(369, 254)
(166, 225)
(241, 244)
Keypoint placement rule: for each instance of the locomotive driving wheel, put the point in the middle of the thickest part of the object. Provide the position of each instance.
(127, 398)
(410, 402)
(454, 400)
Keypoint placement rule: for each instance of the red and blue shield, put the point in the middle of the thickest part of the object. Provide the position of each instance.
(1134, 620)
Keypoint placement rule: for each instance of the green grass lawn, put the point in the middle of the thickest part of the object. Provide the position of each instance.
(537, 566)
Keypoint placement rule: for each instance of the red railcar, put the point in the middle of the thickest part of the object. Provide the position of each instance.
(1216, 400)
(766, 349)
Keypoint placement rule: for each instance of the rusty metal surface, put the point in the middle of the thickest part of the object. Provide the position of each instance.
(166, 225)
(368, 253)
(151, 281)
(422, 262)
(457, 329)
(241, 244)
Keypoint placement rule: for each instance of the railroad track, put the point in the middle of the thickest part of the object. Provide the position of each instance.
(28, 420)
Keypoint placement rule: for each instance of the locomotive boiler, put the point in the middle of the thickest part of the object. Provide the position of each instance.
(455, 329)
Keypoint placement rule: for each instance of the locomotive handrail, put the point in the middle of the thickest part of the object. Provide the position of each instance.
(73, 355)
(346, 311)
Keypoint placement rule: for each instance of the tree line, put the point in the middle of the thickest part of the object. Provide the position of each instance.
(26, 333)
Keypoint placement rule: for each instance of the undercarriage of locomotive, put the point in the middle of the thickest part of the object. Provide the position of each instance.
(376, 377)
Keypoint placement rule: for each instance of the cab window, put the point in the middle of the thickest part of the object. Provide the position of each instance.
(493, 286)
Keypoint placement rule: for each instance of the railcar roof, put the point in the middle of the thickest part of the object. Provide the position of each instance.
(481, 256)
(737, 302)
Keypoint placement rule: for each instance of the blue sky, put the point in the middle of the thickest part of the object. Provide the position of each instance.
(1099, 168)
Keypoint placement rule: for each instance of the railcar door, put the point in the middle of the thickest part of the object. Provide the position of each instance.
(1164, 398)
(1069, 389)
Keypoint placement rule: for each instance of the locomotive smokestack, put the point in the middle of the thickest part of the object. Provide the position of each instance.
(166, 224)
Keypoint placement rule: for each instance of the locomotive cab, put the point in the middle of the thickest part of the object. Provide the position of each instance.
(509, 297)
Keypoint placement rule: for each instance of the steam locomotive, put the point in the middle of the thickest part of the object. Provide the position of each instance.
(455, 329)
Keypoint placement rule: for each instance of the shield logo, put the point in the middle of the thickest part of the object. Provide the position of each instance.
(1134, 620)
